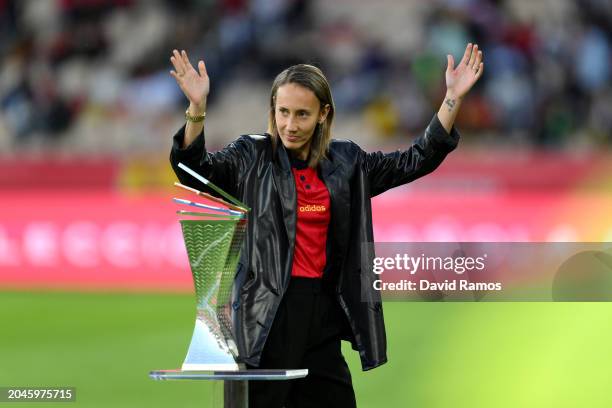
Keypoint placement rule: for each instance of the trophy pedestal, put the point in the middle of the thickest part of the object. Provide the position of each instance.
(235, 383)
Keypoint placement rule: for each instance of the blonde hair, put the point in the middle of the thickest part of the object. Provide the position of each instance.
(310, 77)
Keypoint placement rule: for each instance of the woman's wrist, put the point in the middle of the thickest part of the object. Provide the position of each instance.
(449, 109)
(194, 116)
(450, 94)
(196, 109)
(451, 102)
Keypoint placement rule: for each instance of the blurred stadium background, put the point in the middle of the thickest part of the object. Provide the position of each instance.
(95, 289)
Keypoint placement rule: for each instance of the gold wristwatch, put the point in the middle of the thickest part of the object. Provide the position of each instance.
(198, 118)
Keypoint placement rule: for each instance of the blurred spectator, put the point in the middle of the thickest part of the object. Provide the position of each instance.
(92, 75)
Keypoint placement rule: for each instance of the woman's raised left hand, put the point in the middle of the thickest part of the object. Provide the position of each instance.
(460, 80)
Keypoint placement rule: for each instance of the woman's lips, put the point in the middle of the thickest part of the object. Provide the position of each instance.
(292, 138)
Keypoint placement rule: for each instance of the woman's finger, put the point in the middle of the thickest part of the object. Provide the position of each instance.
(175, 75)
(450, 63)
(174, 64)
(480, 69)
(202, 68)
(466, 54)
(186, 61)
(473, 55)
(179, 65)
(478, 59)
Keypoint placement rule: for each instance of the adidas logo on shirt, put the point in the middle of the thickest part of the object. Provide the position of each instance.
(312, 208)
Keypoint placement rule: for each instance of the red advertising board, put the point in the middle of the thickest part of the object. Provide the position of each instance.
(106, 240)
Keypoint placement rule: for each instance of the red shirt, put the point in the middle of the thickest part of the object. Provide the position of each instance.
(313, 214)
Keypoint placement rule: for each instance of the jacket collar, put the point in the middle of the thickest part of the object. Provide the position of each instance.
(285, 185)
(281, 158)
(283, 162)
(327, 167)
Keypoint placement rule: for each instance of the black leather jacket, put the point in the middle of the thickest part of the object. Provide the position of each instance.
(261, 177)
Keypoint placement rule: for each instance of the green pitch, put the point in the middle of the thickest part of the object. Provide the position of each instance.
(440, 355)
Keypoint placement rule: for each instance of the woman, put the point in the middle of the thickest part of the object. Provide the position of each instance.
(302, 284)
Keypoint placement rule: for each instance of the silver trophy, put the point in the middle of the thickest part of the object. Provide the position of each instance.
(213, 240)
(213, 247)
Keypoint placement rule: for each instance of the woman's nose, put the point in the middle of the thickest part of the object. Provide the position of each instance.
(291, 125)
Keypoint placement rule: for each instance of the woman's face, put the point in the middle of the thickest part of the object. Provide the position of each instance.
(297, 112)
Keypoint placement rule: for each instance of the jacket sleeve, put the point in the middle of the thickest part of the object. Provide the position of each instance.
(388, 170)
(224, 167)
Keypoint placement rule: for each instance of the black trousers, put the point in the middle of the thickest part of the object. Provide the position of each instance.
(305, 334)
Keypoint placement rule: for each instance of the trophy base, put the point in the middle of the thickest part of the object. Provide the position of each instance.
(210, 367)
(231, 375)
(235, 393)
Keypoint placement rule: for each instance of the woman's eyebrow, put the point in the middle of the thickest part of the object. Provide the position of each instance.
(299, 110)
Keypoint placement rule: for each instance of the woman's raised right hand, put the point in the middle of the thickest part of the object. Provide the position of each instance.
(194, 84)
